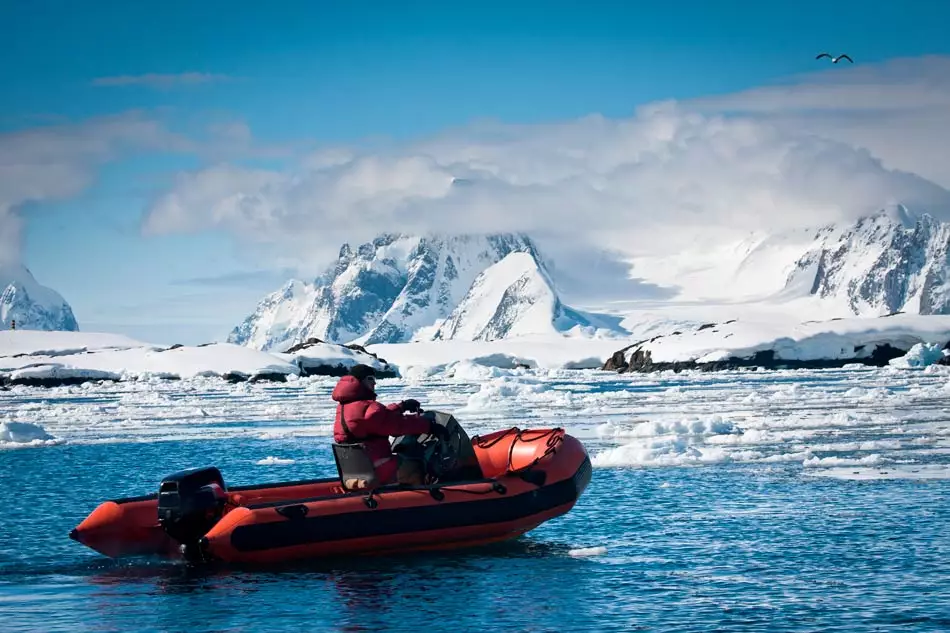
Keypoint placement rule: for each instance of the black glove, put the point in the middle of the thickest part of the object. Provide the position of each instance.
(438, 430)
(410, 406)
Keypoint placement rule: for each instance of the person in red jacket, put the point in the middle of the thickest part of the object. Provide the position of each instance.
(359, 418)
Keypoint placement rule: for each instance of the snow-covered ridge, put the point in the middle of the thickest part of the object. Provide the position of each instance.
(56, 358)
(316, 357)
(737, 343)
(515, 297)
(32, 305)
(890, 262)
(400, 288)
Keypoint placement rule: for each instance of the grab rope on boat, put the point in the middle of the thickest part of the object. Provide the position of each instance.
(436, 490)
(553, 438)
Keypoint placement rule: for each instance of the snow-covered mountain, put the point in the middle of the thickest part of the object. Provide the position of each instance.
(401, 288)
(515, 297)
(890, 262)
(31, 305)
(887, 262)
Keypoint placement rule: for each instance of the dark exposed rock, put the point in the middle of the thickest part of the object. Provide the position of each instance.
(640, 361)
(705, 326)
(49, 382)
(382, 373)
(908, 268)
(946, 359)
(360, 348)
(232, 377)
(326, 369)
(340, 370)
(269, 377)
(310, 342)
(617, 362)
(885, 353)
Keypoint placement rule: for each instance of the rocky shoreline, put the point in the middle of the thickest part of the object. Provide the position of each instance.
(641, 362)
(231, 377)
(638, 357)
(305, 367)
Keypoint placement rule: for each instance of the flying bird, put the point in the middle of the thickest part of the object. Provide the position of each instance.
(834, 60)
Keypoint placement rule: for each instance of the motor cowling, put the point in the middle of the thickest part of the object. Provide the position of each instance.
(190, 503)
(450, 460)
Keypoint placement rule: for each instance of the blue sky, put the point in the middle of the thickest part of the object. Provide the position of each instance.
(257, 87)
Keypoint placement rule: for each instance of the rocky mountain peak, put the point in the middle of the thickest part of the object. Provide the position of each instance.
(32, 305)
(888, 262)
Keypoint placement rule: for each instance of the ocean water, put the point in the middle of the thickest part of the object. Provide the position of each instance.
(809, 501)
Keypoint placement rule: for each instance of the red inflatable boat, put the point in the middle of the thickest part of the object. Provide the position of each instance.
(513, 481)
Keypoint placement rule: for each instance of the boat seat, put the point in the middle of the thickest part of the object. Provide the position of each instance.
(354, 467)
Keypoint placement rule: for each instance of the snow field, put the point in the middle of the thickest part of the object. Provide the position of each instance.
(43, 355)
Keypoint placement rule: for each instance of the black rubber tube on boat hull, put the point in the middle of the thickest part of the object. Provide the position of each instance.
(338, 527)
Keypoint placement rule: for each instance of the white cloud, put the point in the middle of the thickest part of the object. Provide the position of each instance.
(59, 161)
(898, 110)
(55, 162)
(800, 154)
(229, 139)
(157, 80)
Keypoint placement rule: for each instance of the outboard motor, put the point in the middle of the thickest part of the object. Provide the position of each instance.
(190, 502)
(451, 460)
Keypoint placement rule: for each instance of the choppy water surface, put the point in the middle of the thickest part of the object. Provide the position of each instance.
(742, 501)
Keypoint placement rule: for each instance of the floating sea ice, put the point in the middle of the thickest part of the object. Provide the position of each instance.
(587, 551)
(711, 425)
(668, 451)
(918, 472)
(14, 434)
(920, 355)
(470, 371)
(818, 462)
(270, 460)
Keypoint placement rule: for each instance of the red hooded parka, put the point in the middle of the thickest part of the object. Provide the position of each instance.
(372, 423)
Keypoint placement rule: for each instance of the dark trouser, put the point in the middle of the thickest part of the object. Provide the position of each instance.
(410, 471)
